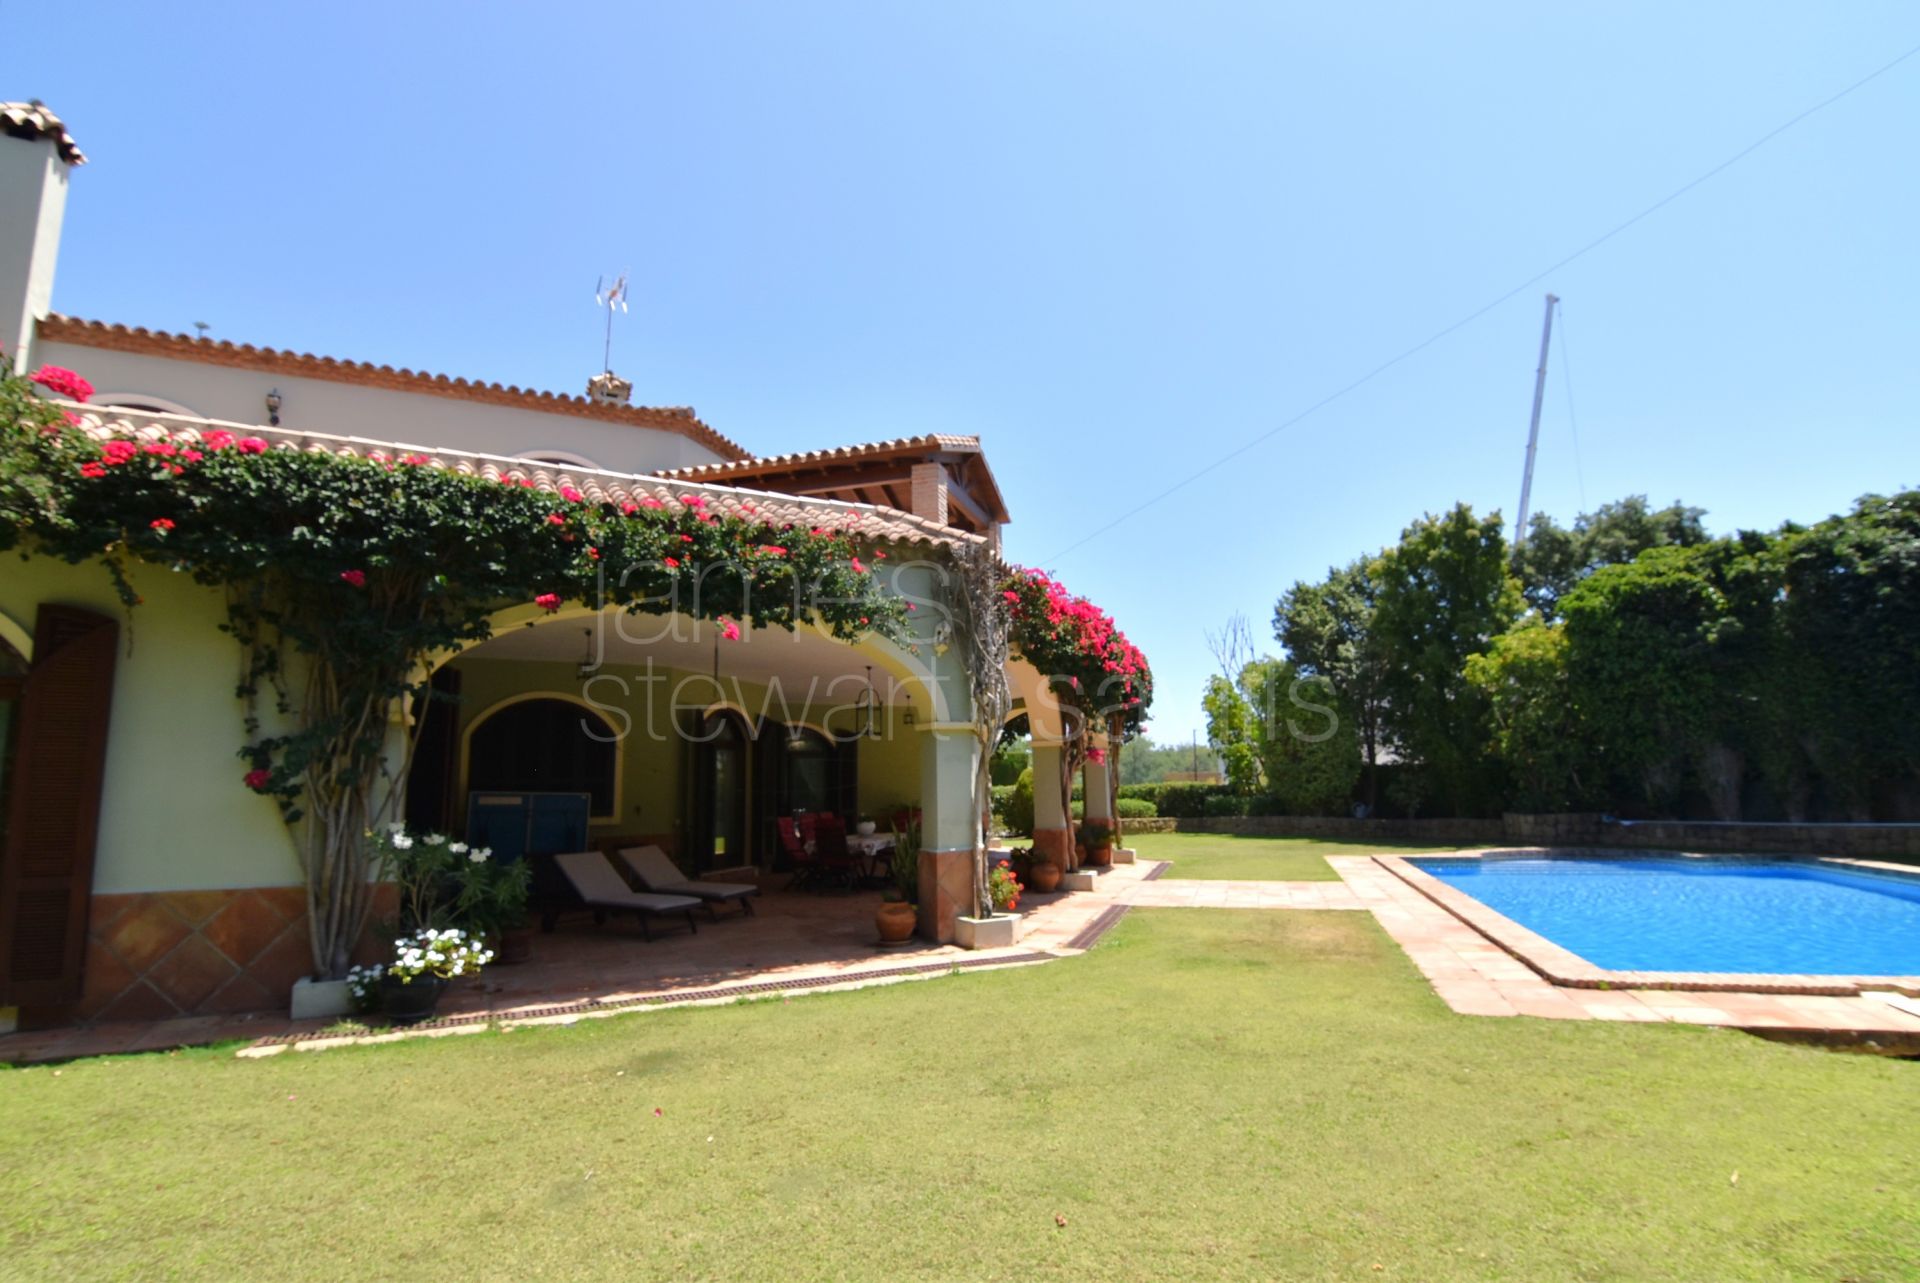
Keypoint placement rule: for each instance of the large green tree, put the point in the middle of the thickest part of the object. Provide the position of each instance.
(1443, 594)
(1307, 740)
(1552, 558)
(1327, 630)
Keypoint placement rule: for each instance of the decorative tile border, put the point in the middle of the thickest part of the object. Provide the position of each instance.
(1562, 967)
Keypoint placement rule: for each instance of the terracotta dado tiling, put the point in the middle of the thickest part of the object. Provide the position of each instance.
(1475, 975)
(162, 954)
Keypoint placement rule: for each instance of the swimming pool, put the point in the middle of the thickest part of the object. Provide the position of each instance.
(1704, 915)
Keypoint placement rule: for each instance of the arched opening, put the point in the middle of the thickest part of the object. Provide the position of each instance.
(546, 744)
(718, 819)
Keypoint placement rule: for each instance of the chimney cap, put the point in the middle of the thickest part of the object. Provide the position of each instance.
(608, 388)
(33, 121)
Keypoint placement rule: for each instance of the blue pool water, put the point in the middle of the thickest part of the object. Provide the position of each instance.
(1775, 916)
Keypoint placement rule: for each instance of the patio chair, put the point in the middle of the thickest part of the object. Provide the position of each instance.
(836, 863)
(795, 846)
(660, 875)
(600, 886)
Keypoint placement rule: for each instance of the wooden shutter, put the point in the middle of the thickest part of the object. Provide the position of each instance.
(53, 816)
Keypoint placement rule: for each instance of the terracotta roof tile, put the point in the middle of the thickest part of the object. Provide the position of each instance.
(838, 454)
(869, 521)
(124, 338)
(32, 120)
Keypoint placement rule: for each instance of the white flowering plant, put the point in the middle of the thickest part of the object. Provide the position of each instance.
(443, 953)
(363, 987)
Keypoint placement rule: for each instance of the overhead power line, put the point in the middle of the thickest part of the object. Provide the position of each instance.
(1481, 311)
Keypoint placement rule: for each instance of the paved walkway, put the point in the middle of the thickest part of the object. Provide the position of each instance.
(802, 943)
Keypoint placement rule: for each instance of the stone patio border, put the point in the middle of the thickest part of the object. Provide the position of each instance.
(1562, 967)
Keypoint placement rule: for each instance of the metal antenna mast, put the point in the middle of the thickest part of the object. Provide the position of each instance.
(1533, 429)
(612, 297)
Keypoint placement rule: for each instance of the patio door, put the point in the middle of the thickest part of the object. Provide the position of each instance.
(55, 770)
(719, 824)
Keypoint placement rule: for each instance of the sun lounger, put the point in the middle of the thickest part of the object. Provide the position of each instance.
(660, 875)
(604, 891)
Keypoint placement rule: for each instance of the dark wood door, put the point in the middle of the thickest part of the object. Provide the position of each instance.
(53, 806)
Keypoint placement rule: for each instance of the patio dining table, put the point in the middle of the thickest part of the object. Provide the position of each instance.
(873, 849)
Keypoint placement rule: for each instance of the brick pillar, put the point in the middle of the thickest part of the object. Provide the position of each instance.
(930, 491)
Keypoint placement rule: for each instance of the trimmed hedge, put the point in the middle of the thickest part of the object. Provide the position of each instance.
(1136, 808)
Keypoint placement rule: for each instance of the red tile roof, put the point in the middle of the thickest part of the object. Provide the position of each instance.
(974, 472)
(123, 338)
(32, 121)
(868, 521)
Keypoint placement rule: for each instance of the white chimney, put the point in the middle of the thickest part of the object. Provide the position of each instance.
(36, 156)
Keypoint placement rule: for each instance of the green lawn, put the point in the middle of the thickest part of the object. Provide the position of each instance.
(1207, 1094)
(1216, 856)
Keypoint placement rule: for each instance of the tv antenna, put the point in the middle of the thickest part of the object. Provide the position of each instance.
(202, 327)
(610, 296)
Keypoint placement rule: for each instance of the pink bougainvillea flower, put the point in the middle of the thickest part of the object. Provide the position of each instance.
(417, 460)
(651, 503)
(1011, 595)
(218, 439)
(703, 516)
(686, 538)
(673, 563)
(628, 508)
(571, 495)
(257, 780)
(555, 519)
(162, 524)
(548, 601)
(160, 448)
(358, 578)
(729, 629)
(694, 501)
(73, 420)
(92, 470)
(593, 553)
(1097, 755)
(250, 445)
(62, 382)
(773, 550)
(118, 452)
(858, 569)
(192, 455)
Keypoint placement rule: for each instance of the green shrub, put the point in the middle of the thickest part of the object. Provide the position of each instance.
(1143, 792)
(1018, 813)
(1136, 808)
(1188, 800)
(1000, 795)
(1224, 803)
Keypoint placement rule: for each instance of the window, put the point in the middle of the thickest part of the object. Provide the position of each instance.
(548, 746)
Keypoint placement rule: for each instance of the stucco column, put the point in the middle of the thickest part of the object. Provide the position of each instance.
(949, 827)
(1052, 830)
(1097, 787)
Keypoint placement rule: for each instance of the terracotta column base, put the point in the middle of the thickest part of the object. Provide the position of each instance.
(946, 892)
(1055, 844)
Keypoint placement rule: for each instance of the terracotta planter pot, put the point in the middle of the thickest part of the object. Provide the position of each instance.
(1044, 877)
(895, 920)
(513, 945)
(1100, 856)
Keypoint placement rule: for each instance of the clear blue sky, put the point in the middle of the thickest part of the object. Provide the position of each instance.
(1115, 241)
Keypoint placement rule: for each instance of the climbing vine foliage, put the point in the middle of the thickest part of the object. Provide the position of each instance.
(344, 576)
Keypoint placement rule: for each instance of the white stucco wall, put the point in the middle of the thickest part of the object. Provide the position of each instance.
(174, 815)
(347, 409)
